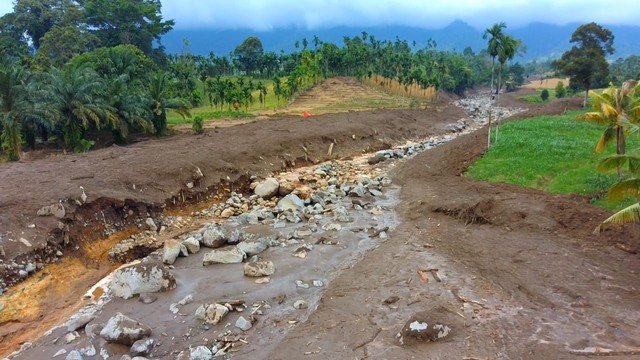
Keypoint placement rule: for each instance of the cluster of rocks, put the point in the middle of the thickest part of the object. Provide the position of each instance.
(13, 271)
(479, 107)
(105, 339)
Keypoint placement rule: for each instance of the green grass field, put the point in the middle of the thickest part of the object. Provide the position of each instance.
(552, 153)
(207, 114)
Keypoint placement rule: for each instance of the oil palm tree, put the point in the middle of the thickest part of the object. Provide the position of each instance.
(20, 112)
(131, 108)
(77, 93)
(162, 100)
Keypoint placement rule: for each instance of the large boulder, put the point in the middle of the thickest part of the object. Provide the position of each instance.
(121, 329)
(291, 202)
(267, 189)
(229, 255)
(141, 278)
(251, 248)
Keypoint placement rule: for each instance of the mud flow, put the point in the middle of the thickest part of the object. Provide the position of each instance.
(308, 255)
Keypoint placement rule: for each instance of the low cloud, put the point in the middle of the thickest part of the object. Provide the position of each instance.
(313, 14)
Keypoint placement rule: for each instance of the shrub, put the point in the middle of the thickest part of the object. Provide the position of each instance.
(544, 95)
(198, 125)
(561, 91)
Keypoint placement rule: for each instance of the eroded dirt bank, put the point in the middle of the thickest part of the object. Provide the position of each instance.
(151, 175)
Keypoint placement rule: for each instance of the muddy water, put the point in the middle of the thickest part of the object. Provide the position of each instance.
(218, 283)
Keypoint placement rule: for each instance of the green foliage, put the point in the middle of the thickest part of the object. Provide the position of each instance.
(136, 22)
(552, 153)
(11, 137)
(162, 101)
(83, 145)
(76, 94)
(544, 95)
(585, 63)
(537, 97)
(561, 91)
(625, 69)
(61, 43)
(247, 55)
(198, 125)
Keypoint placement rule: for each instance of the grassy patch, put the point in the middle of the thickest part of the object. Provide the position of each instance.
(536, 99)
(206, 114)
(552, 153)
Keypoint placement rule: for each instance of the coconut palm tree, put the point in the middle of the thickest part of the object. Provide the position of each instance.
(162, 100)
(614, 108)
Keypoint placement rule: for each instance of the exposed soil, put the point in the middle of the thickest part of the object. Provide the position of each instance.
(521, 267)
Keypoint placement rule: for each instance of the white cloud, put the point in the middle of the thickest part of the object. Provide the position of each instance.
(267, 14)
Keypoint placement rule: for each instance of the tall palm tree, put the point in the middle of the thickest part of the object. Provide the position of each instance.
(494, 35)
(162, 101)
(77, 92)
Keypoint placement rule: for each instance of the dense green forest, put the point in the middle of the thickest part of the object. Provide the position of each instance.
(71, 69)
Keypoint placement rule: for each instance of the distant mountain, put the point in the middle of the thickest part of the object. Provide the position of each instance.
(542, 40)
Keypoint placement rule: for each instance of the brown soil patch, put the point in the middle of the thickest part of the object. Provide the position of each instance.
(343, 94)
(550, 83)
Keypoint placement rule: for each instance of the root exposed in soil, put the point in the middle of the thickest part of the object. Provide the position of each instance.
(475, 214)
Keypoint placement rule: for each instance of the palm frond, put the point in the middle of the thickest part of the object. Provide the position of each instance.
(608, 135)
(628, 215)
(624, 188)
(611, 163)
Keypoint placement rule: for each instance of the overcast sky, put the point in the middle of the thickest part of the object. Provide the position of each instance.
(267, 14)
(312, 14)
